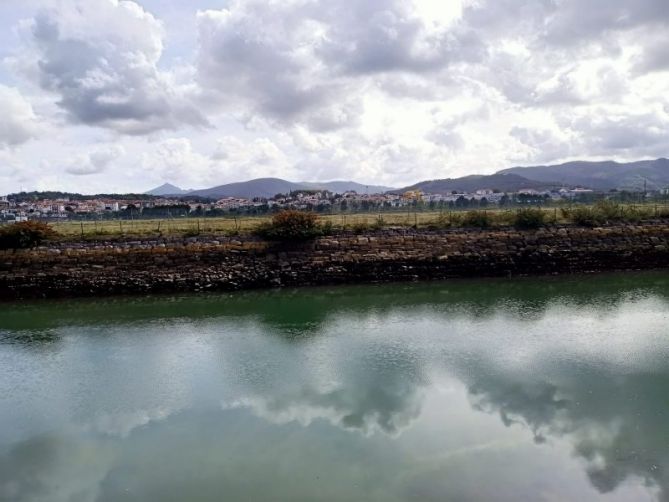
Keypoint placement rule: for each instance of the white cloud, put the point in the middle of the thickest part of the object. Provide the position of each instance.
(18, 122)
(175, 159)
(384, 92)
(100, 59)
(94, 162)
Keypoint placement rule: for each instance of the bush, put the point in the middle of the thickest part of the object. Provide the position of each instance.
(635, 214)
(479, 219)
(584, 216)
(379, 223)
(529, 218)
(360, 228)
(25, 234)
(447, 220)
(327, 228)
(291, 225)
(608, 210)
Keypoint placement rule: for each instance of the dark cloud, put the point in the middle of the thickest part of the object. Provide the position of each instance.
(655, 56)
(388, 36)
(602, 133)
(567, 23)
(573, 21)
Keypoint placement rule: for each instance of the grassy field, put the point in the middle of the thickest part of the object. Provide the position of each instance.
(232, 225)
(226, 225)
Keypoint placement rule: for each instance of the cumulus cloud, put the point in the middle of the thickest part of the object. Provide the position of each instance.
(543, 144)
(229, 160)
(248, 155)
(18, 122)
(101, 59)
(346, 88)
(307, 63)
(603, 133)
(390, 36)
(653, 57)
(175, 159)
(263, 56)
(94, 162)
(571, 21)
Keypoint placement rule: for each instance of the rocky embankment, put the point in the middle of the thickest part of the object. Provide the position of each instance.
(220, 263)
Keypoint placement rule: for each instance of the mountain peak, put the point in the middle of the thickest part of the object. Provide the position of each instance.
(166, 189)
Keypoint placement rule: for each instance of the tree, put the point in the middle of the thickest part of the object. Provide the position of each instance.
(461, 202)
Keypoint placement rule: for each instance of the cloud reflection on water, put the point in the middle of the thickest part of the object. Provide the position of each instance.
(346, 387)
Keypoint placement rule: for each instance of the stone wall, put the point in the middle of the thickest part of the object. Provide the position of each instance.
(210, 263)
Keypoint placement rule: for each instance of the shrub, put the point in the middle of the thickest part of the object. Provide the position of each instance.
(505, 218)
(584, 216)
(608, 210)
(360, 228)
(327, 228)
(379, 223)
(291, 225)
(191, 232)
(635, 213)
(662, 212)
(447, 220)
(25, 234)
(479, 219)
(529, 218)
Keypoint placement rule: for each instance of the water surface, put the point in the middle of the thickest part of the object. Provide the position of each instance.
(538, 389)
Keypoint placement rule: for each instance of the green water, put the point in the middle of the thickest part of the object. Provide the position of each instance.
(540, 389)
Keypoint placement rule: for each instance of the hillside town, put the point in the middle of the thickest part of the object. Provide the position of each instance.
(19, 207)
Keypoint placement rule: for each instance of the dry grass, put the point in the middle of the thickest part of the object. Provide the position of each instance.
(359, 221)
(228, 225)
(172, 226)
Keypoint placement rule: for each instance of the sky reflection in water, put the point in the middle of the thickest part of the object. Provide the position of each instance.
(536, 389)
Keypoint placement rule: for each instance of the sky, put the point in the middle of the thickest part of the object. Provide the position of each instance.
(120, 95)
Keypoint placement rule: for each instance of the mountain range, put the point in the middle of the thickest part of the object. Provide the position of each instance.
(600, 176)
(267, 187)
(508, 182)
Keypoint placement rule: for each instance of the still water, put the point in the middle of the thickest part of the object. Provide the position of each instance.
(538, 389)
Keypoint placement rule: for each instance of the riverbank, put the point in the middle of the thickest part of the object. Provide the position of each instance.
(216, 263)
